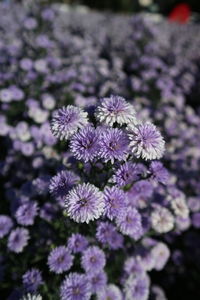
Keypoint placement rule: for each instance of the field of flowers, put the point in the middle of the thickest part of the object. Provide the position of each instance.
(99, 156)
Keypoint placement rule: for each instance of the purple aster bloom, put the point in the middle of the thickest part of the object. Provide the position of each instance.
(113, 145)
(26, 213)
(67, 120)
(26, 64)
(32, 279)
(48, 211)
(75, 287)
(115, 201)
(85, 144)
(133, 266)
(146, 141)
(84, 203)
(93, 260)
(115, 110)
(129, 222)
(196, 220)
(137, 287)
(126, 174)
(142, 189)
(77, 243)
(6, 224)
(60, 260)
(27, 148)
(18, 239)
(159, 172)
(98, 281)
(161, 254)
(41, 184)
(111, 292)
(194, 204)
(108, 235)
(61, 184)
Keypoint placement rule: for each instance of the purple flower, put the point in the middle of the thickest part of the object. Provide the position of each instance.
(84, 203)
(85, 144)
(113, 145)
(146, 141)
(18, 239)
(98, 281)
(67, 120)
(60, 260)
(160, 253)
(61, 184)
(26, 213)
(126, 174)
(93, 260)
(129, 222)
(107, 235)
(115, 201)
(137, 287)
(77, 243)
(75, 287)
(159, 172)
(6, 224)
(115, 110)
(32, 279)
(48, 211)
(142, 189)
(133, 266)
(111, 292)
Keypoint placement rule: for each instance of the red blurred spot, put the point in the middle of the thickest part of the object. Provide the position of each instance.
(181, 13)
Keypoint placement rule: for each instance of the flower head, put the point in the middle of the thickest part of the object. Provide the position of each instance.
(129, 222)
(161, 254)
(98, 281)
(126, 174)
(162, 219)
(26, 213)
(115, 201)
(115, 110)
(137, 287)
(77, 243)
(159, 172)
(93, 260)
(18, 239)
(113, 145)
(61, 184)
(6, 224)
(85, 144)
(60, 260)
(111, 292)
(75, 287)
(108, 235)
(32, 279)
(146, 141)
(84, 203)
(67, 120)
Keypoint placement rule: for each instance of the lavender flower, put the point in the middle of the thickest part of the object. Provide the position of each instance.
(31, 297)
(62, 183)
(77, 243)
(115, 201)
(26, 213)
(108, 235)
(67, 120)
(60, 260)
(113, 145)
(161, 254)
(93, 260)
(32, 279)
(129, 222)
(126, 174)
(111, 292)
(84, 203)
(18, 239)
(75, 287)
(159, 172)
(85, 144)
(137, 287)
(6, 224)
(162, 220)
(146, 141)
(115, 110)
(98, 281)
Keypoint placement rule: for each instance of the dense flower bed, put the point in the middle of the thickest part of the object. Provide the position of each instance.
(99, 159)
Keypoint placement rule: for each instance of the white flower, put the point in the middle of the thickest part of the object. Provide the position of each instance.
(162, 219)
